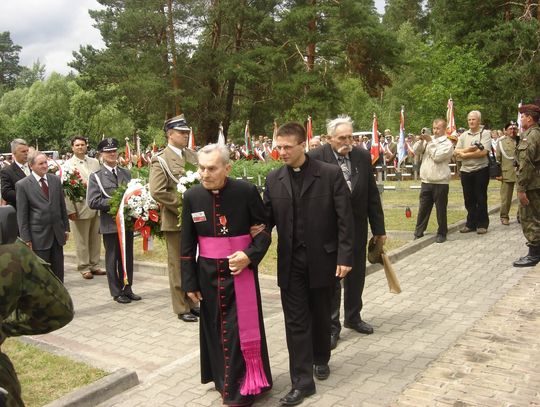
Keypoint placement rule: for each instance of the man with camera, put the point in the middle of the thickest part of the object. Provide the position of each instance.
(504, 154)
(472, 150)
(435, 176)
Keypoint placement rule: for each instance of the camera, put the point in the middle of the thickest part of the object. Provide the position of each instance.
(8, 224)
(478, 145)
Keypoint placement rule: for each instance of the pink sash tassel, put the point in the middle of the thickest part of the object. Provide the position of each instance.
(246, 308)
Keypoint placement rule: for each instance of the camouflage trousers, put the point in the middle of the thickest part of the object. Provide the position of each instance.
(530, 218)
(10, 383)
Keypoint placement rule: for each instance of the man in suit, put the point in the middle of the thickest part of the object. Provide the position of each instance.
(84, 221)
(14, 172)
(355, 164)
(42, 215)
(309, 203)
(166, 169)
(101, 186)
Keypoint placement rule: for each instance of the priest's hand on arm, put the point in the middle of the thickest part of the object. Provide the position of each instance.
(238, 261)
(195, 296)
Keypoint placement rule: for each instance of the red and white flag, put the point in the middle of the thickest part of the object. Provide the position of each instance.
(221, 136)
(450, 120)
(309, 132)
(191, 141)
(518, 122)
(127, 154)
(248, 150)
(274, 153)
(375, 146)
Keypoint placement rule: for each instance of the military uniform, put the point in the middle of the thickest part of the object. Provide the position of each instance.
(165, 171)
(34, 301)
(505, 155)
(528, 181)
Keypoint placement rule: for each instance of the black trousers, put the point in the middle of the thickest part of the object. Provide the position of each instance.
(55, 257)
(113, 263)
(353, 287)
(307, 323)
(475, 186)
(431, 194)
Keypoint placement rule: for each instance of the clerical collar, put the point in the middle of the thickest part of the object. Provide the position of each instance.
(177, 150)
(302, 167)
(217, 191)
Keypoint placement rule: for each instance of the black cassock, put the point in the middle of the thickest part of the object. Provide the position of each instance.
(230, 211)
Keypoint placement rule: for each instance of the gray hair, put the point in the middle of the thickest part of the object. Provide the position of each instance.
(210, 148)
(332, 125)
(33, 157)
(16, 143)
(477, 113)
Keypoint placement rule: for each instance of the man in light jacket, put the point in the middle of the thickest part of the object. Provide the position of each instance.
(435, 175)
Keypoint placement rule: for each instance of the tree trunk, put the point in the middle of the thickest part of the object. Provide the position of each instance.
(172, 50)
(312, 27)
(232, 81)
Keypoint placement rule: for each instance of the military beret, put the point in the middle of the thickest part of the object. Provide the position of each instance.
(177, 123)
(527, 109)
(108, 144)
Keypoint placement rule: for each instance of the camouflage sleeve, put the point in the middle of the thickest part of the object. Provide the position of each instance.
(34, 301)
(529, 162)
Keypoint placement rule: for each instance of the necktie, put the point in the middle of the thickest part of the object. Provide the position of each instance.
(44, 188)
(114, 173)
(26, 170)
(346, 172)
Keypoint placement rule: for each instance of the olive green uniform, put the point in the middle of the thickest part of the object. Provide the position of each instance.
(505, 155)
(528, 180)
(33, 301)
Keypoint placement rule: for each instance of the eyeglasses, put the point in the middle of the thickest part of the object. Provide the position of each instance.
(286, 148)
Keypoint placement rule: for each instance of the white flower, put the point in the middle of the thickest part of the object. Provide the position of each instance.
(181, 188)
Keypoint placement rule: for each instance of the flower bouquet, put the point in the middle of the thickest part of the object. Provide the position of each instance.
(135, 209)
(73, 184)
(190, 178)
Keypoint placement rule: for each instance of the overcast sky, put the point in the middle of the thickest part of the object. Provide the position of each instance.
(50, 30)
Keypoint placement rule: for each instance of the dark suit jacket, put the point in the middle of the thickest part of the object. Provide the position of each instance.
(41, 220)
(326, 206)
(365, 198)
(8, 178)
(96, 199)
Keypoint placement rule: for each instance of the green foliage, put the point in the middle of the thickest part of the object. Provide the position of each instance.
(255, 171)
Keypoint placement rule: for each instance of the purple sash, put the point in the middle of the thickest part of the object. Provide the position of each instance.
(246, 309)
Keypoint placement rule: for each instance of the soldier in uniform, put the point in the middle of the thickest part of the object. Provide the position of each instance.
(101, 185)
(216, 220)
(166, 169)
(34, 301)
(528, 183)
(505, 155)
(84, 221)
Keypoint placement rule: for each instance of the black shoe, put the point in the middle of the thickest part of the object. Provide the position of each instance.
(321, 372)
(196, 311)
(122, 299)
(134, 297)
(360, 326)
(440, 239)
(418, 237)
(527, 261)
(466, 229)
(333, 340)
(295, 397)
(188, 317)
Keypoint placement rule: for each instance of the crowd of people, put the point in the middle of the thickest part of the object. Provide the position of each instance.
(321, 203)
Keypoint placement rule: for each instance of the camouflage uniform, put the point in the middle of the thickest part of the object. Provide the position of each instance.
(34, 301)
(528, 180)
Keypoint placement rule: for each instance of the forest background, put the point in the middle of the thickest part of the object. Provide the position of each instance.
(229, 61)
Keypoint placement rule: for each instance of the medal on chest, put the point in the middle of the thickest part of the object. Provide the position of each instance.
(222, 229)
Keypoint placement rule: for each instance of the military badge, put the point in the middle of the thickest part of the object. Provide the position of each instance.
(223, 225)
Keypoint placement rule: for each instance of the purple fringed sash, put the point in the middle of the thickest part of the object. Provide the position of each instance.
(246, 308)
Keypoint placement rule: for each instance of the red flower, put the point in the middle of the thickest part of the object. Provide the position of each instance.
(139, 223)
(73, 182)
(153, 215)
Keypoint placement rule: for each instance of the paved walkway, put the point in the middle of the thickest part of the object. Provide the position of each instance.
(464, 331)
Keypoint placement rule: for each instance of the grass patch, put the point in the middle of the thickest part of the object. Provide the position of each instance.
(44, 376)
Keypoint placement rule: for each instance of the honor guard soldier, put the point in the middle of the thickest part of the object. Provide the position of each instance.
(101, 186)
(528, 183)
(166, 169)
